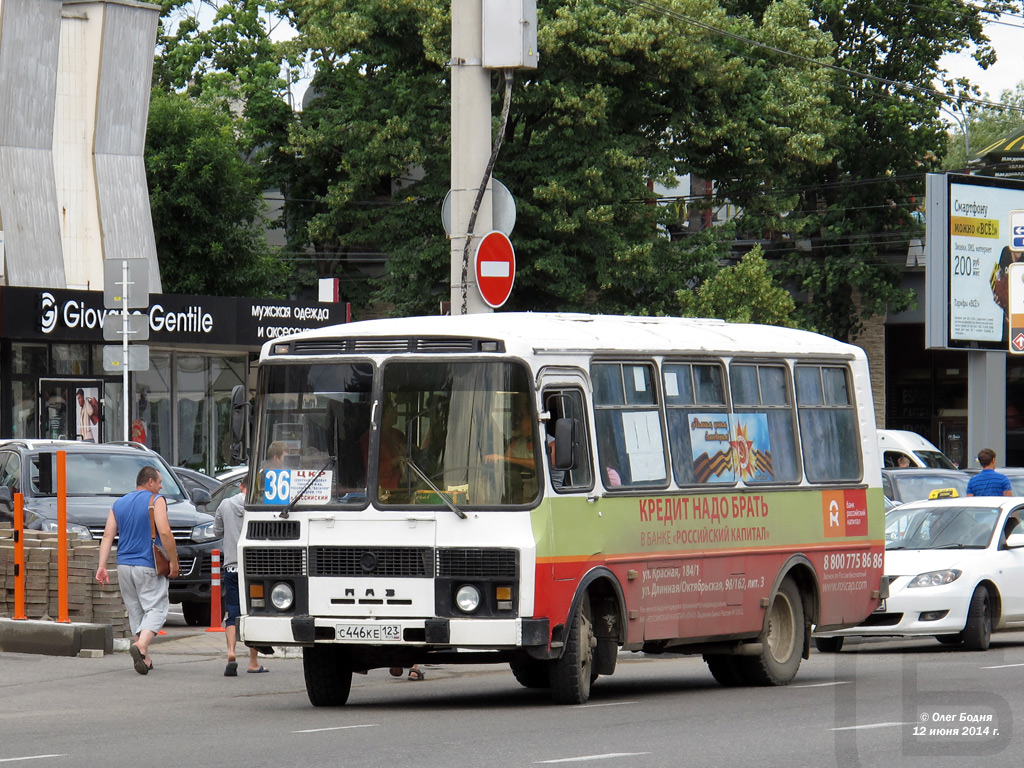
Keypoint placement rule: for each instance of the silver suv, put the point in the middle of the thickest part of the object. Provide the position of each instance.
(97, 475)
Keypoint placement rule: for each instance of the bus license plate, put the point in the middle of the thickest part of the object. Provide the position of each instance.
(369, 632)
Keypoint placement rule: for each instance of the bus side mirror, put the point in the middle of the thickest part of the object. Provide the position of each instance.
(565, 444)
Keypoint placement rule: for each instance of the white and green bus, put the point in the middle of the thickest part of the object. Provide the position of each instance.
(544, 490)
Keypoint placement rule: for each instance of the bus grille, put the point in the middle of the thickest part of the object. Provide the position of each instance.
(275, 561)
(467, 563)
(412, 562)
(275, 530)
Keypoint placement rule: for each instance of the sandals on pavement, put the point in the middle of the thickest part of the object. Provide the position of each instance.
(139, 660)
(416, 674)
(231, 670)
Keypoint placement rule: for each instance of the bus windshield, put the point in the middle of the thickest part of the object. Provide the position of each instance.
(442, 433)
(467, 427)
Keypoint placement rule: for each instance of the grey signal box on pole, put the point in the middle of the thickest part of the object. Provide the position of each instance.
(137, 290)
(509, 34)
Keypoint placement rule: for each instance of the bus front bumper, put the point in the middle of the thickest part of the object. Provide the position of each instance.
(462, 633)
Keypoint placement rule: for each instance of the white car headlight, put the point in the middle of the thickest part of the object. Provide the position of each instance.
(935, 578)
(74, 529)
(203, 533)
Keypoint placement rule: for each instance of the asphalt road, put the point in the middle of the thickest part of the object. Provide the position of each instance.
(909, 703)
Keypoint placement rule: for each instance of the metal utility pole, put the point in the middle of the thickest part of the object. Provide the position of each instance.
(470, 148)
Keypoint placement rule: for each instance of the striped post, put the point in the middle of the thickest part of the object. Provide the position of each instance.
(215, 609)
(19, 558)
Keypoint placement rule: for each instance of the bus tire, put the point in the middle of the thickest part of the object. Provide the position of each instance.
(782, 640)
(530, 672)
(828, 644)
(978, 633)
(725, 669)
(570, 674)
(328, 675)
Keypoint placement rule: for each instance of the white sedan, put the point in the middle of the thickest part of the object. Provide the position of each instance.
(955, 569)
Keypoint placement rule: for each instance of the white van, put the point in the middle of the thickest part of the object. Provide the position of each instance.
(894, 443)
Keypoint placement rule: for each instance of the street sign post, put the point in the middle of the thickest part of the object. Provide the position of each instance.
(495, 268)
(126, 286)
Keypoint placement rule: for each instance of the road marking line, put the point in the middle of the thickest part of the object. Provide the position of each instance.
(822, 685)
(30, 757)
(609, 704)
(585, 758)
(1004, 666)
(867, 727)
(338, 728)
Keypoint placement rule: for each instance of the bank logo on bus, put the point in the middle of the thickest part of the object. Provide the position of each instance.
(845, 513)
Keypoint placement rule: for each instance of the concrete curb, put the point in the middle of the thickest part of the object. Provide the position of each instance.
(53, 639)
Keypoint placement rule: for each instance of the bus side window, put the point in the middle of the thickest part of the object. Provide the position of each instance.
(828, 424)
(567, 428)
(630, 440)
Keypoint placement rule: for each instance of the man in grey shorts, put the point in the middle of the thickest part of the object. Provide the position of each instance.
(143, 591)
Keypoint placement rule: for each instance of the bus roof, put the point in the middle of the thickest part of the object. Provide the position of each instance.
(538, 333)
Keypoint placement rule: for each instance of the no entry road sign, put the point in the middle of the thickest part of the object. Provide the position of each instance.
(495, 268)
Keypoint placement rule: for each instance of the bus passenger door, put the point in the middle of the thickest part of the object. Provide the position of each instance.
(574, 526)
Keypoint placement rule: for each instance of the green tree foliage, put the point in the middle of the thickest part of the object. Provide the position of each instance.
(206, 203)
(622, 97)
(855, 211)
(983, 125)
(744, 293)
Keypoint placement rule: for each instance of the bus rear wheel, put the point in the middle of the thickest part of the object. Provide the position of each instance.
(328, 675)
(570, 675)
(782, 640)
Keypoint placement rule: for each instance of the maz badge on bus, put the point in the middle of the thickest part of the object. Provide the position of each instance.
(280, 486)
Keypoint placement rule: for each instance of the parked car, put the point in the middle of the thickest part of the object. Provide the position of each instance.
(1015, 474)
(227, 489)
(895, 444)
(905, 485)
(193, 479)
(954, 568)
(96, 476)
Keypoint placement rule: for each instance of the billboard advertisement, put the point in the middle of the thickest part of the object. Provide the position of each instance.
(975, 231)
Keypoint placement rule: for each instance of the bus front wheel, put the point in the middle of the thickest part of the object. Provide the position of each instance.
(782, 640)
(570, 675)
(328, 675)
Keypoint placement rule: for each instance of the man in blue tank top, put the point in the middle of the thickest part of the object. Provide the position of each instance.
(143, 591)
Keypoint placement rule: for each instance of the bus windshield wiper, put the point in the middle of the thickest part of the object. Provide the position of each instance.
(300, 494)
(423, 476)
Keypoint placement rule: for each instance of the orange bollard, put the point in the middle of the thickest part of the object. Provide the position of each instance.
(19, 557)
(62, 538)
(215, 610)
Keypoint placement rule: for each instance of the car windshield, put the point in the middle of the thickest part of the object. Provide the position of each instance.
(98, 474)
(916, 487)
(935, 459)
(940, 527)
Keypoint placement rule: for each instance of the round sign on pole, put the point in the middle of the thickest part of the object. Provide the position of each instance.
(495, 268)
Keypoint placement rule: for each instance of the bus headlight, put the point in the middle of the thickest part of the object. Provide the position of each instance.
(282, 596)
(467, 598)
